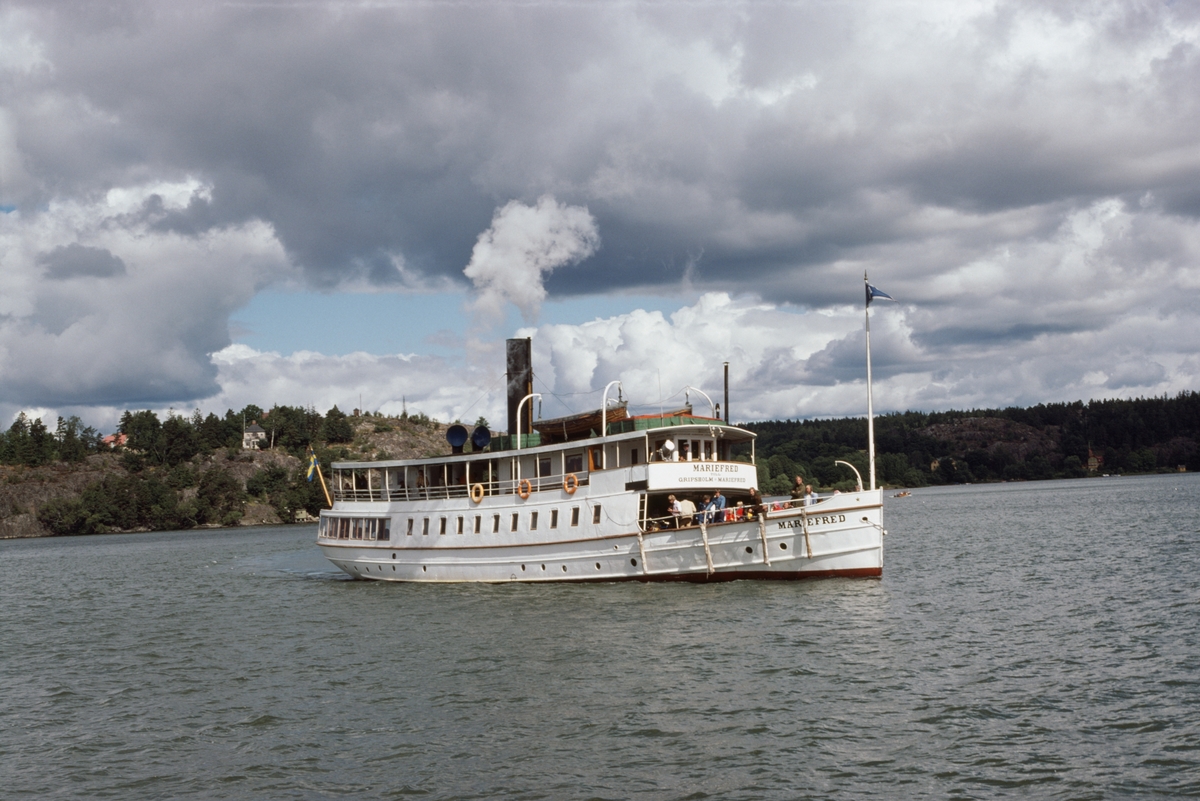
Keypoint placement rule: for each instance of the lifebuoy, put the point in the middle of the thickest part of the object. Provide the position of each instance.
(524, 488)
(477, 493)
(570, 483)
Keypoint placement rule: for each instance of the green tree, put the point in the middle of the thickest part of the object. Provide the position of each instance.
(337, 427)
(145, 434)
(180, 442)
(219, 498)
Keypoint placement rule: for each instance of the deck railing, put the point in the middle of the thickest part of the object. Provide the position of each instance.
(490, 488)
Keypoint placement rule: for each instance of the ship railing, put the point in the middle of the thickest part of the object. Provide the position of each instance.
(490, 488)
(733, 514)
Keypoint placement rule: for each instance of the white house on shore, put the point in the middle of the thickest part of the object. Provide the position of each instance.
(254, 437)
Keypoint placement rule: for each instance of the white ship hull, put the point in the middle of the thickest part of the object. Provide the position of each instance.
(841, 536)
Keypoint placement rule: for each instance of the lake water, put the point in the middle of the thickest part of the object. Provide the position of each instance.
(1038, 639)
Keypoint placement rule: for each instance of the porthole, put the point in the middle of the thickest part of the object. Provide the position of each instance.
(633, 562)
(597, 565)
(393, 556)
(393, 568)
(865, 520)
(783, 546)
(522, 567)
(424, 569)
(543, 567)
(564, 568)
(749, 549)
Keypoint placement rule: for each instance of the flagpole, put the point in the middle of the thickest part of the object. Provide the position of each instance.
(317, 464)
(870, 404)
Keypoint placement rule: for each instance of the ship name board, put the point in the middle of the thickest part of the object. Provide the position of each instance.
(682, 475)
(813, 520)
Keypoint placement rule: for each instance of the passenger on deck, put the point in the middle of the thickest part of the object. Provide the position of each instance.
(673, 508)
(706, 511)
(798, 491)
(718, 507)
(754, 506)
(687, 512)
(812, 497)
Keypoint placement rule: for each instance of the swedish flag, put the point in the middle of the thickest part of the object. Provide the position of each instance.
(312, 464)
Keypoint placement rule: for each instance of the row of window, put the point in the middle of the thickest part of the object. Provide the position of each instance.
(374, 528)
(475, 523)
(356, 528)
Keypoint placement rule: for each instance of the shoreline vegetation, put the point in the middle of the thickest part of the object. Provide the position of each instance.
(194, 472)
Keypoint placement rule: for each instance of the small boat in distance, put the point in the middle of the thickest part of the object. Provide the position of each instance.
(590, 497)
(905, 494)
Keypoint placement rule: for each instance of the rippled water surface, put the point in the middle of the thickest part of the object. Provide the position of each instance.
(1037, 639)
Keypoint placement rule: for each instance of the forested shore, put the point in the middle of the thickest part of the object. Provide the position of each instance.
(190, 471)
(186, 471)
(1057, 440)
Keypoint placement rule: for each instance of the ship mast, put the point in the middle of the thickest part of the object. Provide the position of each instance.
(870, 404)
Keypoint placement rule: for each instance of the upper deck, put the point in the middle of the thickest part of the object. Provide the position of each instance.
(677, 451)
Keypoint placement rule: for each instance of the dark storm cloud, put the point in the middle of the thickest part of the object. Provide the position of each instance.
(368, 133)
(75, 260)
(985, 162)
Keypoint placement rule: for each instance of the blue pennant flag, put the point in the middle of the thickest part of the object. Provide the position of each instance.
(312, 464)
(872, 292)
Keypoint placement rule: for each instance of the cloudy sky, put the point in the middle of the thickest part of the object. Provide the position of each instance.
(210, 204)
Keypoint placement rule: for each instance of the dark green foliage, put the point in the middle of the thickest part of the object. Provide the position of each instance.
(1142, 435)
(270, 479)
(145, 435)
(29, 442)
(180, 442)
(292, 427)
(337, 427)
(287, 492)
(219, 498)
(117, 502)
(213, 433)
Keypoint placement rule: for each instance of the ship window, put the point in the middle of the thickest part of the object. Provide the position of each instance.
(708, 450)
(495, 524)
(553, 518)
(410, 526)
(516, 520)
(574, 515)
(633, 456)
(695, 449)
(357, 532)
(544, 466)
(533, 521)
(478, 523)
(425, 526)
(685, 451)
(442, 527)
(344, 529)
(574, 463)
(595, 514)
(460, 524)
(385, 529)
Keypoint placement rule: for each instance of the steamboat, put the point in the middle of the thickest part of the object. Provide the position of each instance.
(590, 498)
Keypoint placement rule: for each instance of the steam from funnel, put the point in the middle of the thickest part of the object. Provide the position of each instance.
(523, 244)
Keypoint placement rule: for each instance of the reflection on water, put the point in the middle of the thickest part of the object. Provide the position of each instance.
(1037, 639)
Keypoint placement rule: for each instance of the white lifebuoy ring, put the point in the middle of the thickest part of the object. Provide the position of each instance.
(477, 493)
(524, 488)
(570, 483)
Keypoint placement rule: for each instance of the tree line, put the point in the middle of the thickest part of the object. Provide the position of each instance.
(172, 478)
(1061, 440)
